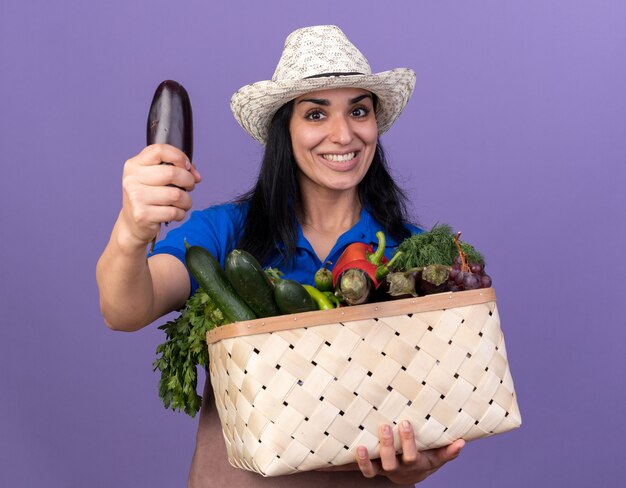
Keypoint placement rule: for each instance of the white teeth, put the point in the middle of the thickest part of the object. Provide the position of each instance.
(339, 157)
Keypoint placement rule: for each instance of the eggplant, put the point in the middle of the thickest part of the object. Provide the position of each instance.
(403, 284)
(170, 120)
(435, 278)
(354, 286)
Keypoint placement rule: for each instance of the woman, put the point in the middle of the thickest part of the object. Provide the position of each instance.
(323, 183)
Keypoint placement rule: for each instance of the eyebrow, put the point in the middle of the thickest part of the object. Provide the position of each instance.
(326, 103)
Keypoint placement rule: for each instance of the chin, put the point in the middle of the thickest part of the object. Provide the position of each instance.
(343, 186)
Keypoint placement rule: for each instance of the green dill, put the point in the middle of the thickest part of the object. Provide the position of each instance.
(184, 349)
(434, 247)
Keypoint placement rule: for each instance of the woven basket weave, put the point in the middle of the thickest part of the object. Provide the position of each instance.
(301, 392)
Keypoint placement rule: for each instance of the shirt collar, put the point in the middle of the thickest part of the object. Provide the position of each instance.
(363, 231)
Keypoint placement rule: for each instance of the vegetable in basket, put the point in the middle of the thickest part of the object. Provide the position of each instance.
(436, 246)
(212, 279)
(251, 283)
(465, 274)
(290, 296)
(183, 350)
(324, 278)
(360, 269)
(437, 261)
(322, 300)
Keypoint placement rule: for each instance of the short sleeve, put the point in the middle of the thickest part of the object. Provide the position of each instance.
(217, 229)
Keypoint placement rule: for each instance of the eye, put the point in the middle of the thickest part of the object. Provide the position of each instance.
(360, 112)
(314, 114)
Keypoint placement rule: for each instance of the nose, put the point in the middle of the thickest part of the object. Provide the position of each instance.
(341, 131)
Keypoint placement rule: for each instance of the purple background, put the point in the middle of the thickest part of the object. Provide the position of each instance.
(516, 135)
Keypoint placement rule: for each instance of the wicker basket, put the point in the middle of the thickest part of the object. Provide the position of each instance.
(301, 392)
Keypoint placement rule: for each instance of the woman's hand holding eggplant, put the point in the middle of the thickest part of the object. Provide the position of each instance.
(154, 193)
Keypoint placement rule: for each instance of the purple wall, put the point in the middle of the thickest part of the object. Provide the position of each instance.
(516, 135)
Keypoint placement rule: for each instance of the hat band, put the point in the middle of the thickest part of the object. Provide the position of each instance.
(335, 74)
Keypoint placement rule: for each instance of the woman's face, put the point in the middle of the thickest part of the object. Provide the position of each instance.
(334, 136)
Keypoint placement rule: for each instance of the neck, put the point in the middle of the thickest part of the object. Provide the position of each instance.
(330, 213)
(325, 217)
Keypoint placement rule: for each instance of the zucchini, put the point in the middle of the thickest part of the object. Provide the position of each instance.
(292, 297)
(251, 283)
(212, 279)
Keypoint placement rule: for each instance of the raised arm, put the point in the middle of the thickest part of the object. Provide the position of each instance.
(134, 290)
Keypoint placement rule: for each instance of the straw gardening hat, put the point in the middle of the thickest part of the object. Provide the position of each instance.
(318, 58)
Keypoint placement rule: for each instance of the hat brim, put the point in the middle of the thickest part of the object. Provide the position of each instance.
(254, 105)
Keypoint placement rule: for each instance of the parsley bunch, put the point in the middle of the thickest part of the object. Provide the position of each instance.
(183, 350)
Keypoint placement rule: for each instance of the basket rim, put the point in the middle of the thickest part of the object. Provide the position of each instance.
(366, 311)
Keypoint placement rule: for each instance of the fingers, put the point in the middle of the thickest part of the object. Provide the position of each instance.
(148, 168)
(388, 461)
(364, 462)
(164, 175)
(158, 153)
(412, 465)
(452, 451)
(438, 457)
(388, 457)
(162, 196)
(435, 457)
(195, 174)
(150, 218)
(154, 193)
(407, 437)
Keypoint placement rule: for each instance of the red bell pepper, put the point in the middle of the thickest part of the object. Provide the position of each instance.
(362, 256)
(359, 270)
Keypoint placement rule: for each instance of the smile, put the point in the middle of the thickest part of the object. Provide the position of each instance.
(339, 158)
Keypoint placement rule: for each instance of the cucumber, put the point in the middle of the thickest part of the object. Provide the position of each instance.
(251, 283)
(212, 279)
(292, 297)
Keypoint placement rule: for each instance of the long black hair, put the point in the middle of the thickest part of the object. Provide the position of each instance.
(271, 222)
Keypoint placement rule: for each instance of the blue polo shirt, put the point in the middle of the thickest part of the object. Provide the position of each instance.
(218, 229)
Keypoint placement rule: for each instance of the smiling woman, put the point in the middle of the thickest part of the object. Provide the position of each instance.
(323, 184)
(334, 136)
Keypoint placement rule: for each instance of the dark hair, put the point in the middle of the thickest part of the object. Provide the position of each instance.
(271, 219)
